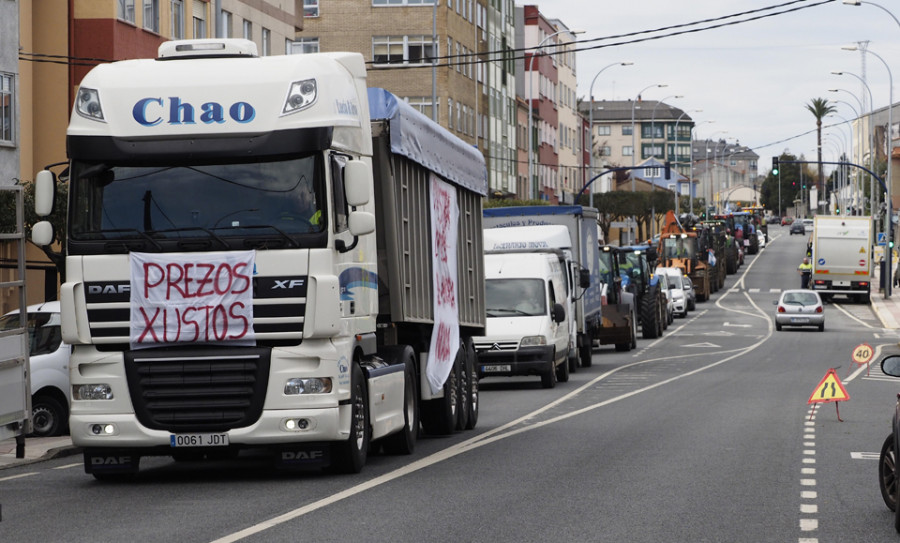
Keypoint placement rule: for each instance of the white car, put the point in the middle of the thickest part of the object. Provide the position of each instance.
(762, 238)
(49, 361)
(675, 289)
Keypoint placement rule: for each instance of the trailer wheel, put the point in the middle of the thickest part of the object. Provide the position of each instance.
(404, 441)
(462, 382)
(585, 352)
(351, 454)
(649, 315)
(439, 416)
(471, 396)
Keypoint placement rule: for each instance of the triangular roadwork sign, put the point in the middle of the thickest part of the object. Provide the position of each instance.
(830, 389)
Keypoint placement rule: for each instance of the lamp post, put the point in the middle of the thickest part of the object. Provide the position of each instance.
(859, 158)
(872, 199)
(715, 154)
(535, 53)
(591, 120)
(633, 150)
(843, 173)
(890, 144)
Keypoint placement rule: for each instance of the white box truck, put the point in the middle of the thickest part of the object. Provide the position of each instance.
(582, 225)
(842, 257)
(264, 253)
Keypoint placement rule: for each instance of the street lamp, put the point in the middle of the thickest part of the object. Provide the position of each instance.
(890, 144)
(591, 121)
(871, 146)
(859, 158)
(633, 150)
(534, 54)
(709, 172)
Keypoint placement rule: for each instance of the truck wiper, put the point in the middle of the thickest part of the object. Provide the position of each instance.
(212, 234)
(140, 233)
(291, 241)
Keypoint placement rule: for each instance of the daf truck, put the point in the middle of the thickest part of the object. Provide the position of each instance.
(263, 253)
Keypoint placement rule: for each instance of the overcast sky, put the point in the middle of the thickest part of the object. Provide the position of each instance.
(753, 79)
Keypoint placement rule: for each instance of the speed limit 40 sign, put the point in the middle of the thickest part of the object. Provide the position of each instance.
(862, 354)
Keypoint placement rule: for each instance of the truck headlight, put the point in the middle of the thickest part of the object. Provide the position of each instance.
(307, 385)
(301, 96)
(94, 391)
(88, 104)
(529, 341)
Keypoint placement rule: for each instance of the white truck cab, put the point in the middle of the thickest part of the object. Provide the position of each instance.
(528, 327)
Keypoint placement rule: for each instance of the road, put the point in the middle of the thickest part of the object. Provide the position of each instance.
(702, 435)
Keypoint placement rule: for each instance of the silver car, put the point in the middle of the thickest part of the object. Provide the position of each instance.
(799, 308)
(689, 293)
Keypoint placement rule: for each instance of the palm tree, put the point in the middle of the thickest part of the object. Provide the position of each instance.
(820, 107)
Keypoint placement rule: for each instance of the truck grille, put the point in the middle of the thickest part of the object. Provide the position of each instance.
(188, 390)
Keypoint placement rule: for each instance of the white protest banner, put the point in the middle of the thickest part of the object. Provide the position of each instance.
(445, 336)
(191, 298)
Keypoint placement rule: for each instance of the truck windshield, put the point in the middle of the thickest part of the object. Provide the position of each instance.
(179, 201)
(515, 297)
(679, 247)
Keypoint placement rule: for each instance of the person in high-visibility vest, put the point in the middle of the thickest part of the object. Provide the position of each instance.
(805, 270)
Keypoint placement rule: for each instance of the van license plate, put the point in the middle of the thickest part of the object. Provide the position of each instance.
(198, 440)
(495, 368)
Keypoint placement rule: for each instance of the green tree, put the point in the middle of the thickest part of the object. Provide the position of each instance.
(820, 107)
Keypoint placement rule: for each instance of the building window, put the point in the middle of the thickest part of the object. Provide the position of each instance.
(227, 22)
(151, 15)
(266, 42)
(125, 11)
(652, 130)
(627, 150)
(627, 130)
(450, 114)
(200, 19)
(650, 173)
(7, 103)
(605, 130)
(421, 103)
(248, 30)
(177, 30)
(604, 150)
(310, 8)
(654, 150)
(402, 49)
(304, 46)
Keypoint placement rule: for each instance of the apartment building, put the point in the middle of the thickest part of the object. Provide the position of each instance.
(725, 172)
(468, 88)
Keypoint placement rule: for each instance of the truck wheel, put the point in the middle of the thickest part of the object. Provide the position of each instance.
(472, 393)
(585, 352)
(548, 379)
(562, 372)
(48, 416)
(351, 454)
(404, 441)
(462, 382)
(439, 416)
(887, 473)
(649, 316)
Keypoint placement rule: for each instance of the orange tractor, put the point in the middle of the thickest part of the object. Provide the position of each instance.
(682, 248)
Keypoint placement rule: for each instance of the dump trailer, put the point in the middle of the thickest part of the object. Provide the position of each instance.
(583, 231)
(265, 254)
(842, 257)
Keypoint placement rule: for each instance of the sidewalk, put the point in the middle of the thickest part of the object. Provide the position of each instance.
(46, 448)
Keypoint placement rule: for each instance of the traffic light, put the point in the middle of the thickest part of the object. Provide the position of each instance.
(668, 170)
(774, 165)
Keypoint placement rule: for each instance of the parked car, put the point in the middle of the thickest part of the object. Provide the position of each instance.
(799, 307)
(797, 228)
(762, 238)
(690, 295)
(49, 360)
(675, 283)
(670, 301)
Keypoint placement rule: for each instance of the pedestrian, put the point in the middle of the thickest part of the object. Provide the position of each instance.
(805, 270)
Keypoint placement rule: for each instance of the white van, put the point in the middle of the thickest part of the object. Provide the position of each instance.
(675, 286)
(527, 330)
(49, 359)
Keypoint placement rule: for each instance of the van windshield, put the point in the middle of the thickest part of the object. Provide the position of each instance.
(515, 297)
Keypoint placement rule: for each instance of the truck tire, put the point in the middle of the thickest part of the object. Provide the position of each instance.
(562, 372)
(585, 352)
(351, 455)
(473, 391)
(404, 441)
(650, 316)
(439, 415)
(462, 383)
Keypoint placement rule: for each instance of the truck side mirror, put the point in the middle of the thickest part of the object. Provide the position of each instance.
(44, 193)
(42, 233)
(891, 366)
(357, 183)
(559, 313)
(584, 278)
